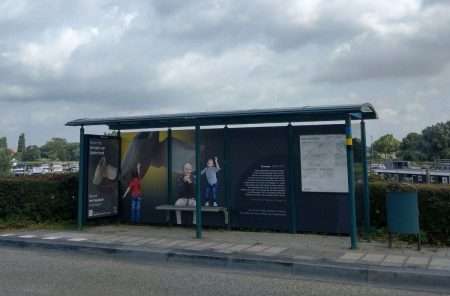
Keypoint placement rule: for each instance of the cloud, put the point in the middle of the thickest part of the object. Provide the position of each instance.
(61, 60)
(412, 45)
(53, 54)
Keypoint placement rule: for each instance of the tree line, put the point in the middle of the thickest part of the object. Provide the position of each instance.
(431, 144)
(55, 149)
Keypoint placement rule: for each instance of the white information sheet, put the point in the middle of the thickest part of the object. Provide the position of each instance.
(323, 163)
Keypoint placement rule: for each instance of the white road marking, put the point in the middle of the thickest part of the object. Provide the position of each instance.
(77, 239)
(7, 234)
(52, 237)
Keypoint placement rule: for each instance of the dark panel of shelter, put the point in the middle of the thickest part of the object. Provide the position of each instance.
(324, 212)
(259, 178)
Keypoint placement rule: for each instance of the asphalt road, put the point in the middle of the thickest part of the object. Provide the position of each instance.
(33, 272)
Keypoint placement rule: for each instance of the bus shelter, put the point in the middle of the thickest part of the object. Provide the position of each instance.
(289, 170)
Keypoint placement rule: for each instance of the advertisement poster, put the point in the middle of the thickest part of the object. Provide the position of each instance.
(144, 171)
(103, 187)
(144, 162)
(323, 162)
(184, 174)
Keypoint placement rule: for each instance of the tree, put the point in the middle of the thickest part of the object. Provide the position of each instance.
(73, 150)
(436, 139)
(55, 149)
(386, 145)
(412, 148)
(3, 143)
(20, 146)
(5, 162)
(31, 153)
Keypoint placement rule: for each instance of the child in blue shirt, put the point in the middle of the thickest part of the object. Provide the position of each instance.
(211, 169)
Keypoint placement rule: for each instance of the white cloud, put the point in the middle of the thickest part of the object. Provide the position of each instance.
(52, 54)
(195, 70)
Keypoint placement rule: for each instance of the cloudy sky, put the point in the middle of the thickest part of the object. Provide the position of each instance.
(61, 60)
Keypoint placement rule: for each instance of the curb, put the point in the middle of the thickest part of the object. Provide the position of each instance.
(412, 279)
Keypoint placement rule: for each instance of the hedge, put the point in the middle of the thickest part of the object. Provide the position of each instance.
(38, 199)
(53, 199)
(434, 210)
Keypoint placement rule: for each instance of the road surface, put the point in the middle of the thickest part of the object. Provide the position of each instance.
(41, 272)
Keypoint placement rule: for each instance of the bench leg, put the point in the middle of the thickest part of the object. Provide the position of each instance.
(226, 214)
(168, 218)
(390, 240)
(178, 214)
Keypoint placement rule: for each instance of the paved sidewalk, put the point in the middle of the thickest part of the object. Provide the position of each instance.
(332, 252)
(280, 245)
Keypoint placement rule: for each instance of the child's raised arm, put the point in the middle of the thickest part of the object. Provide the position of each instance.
(126, 192)
(216, 159)
(138, 169)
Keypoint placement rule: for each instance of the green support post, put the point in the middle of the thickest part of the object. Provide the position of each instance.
(81, 180)
(198, 200)
(169, 166)
(291, 179)
(351, 180)
(366, 193)
(226, 171)
(119, 173)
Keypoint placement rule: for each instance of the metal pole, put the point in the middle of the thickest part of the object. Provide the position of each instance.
(198, 201)
(169, 166)
(119, 174)
(351, 178)
(291, 179)
(366, 193)
(81, 180)
(226, 171)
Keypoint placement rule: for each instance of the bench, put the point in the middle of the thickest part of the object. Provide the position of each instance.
(169, 208)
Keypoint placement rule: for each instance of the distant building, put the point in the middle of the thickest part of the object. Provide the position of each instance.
(414, 175)
(443, 164)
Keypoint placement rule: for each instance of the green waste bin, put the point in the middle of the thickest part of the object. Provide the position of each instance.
(403, 214)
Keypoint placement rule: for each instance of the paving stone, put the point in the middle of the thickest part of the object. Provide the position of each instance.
(221, 246)
(257, 248)
(394, 260)
(142, 242)
(173, 243)
(161, 242)
(417, 261)
(202, 246)
(104, 239)
(372, 258)
(351, 256)
(238, 248)
(273, 251)
(129, 239)
(440, 263)
(117, 239)
(188, 244)
(304, 257)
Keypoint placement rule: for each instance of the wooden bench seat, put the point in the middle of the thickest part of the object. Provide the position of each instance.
(169, 208)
